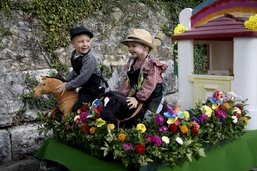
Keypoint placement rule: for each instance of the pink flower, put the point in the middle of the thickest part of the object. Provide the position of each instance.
(159, 119)
(157, 140)
(148, 138)
(203, 117)
(83, 116)
(221, 114)
(127, 147)
(163, 129)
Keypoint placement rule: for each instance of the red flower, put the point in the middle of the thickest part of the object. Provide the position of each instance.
(140, 149)
(195, 131)
(240, 106)
(173, 128)
(85, 128)
(238, 116)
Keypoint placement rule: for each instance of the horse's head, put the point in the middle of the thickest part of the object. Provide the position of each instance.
(114, 106)
(46, 86)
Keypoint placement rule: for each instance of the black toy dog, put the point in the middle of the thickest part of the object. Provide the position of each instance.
(116, 110)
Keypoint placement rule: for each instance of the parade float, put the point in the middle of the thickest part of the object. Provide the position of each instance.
(186, 136)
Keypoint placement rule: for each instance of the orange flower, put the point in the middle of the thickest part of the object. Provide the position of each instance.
(226, 106)
(184, 129)
(121, 136)
(92, 130)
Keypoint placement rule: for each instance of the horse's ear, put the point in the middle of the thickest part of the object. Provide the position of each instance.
(107, 94)
(43, 77)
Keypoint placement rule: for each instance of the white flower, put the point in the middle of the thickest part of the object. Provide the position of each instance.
(234, 119)
(179, 140)
(237, 110)
(165, 139)
(76, 117)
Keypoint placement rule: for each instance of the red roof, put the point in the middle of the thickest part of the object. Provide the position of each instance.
(222, 28)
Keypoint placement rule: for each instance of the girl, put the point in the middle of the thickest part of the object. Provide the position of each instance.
(144, 72)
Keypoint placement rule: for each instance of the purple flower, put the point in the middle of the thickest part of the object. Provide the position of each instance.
(221, 114)
(83, 116)
(157, 140)
(127, 146)
(163, 129)
(203, 117)
(148, 138)
(196, 120)
(159, 119)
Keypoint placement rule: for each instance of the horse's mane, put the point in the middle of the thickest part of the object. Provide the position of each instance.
(58, 77)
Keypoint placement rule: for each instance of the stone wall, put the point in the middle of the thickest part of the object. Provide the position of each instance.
(20, 52)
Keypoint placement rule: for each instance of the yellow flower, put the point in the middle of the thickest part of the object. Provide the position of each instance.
(214, 106)
(179, 29)
(141, 128)
(171, 120)
(184, 129)
(245, 120)
(92, 130)
(207, 110)
(99, 122)
(121, 136)
(110, 126)
(186, 114)
(251, 23)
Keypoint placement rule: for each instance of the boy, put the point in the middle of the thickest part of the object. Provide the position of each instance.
(85, 74)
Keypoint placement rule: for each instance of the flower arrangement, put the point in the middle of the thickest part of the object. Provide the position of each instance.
(179, 29)
(170, 138)
(251, 23)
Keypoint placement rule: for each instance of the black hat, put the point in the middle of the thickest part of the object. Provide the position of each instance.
(80, 30)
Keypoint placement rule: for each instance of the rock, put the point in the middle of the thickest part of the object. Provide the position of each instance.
(29, 115)
(22, 165)
(25, 140)
(169, 78)
(5, 146)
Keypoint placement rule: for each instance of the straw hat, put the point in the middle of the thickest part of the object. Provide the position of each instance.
(141, 36)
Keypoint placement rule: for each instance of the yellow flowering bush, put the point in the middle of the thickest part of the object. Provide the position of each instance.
(179, 29)
(251, 23)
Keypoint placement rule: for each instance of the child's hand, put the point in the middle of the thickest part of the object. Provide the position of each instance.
(61, 88)
(132, 102)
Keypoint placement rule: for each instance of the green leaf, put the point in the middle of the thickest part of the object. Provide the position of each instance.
(189, 156)
(188, 142)
(201, 152)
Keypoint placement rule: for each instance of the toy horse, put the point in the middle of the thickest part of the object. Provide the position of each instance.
(65, 102)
